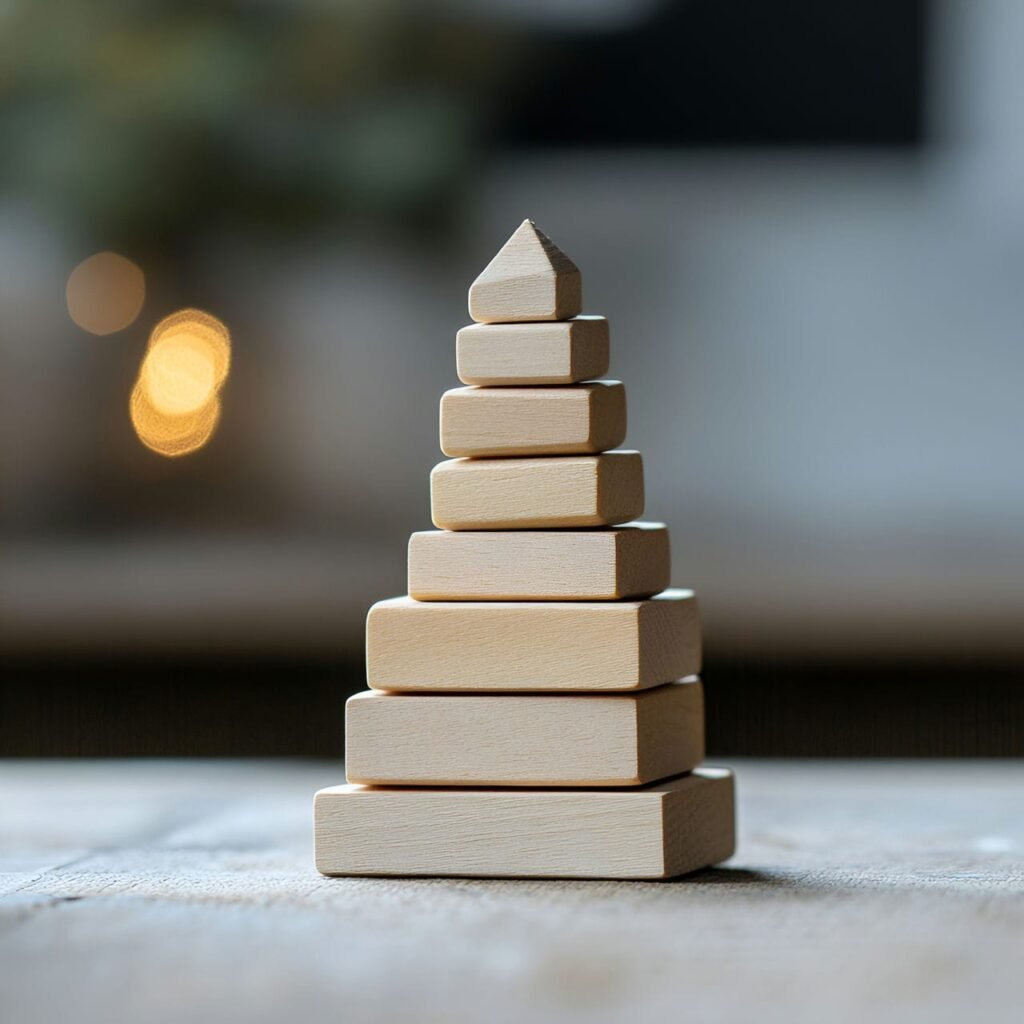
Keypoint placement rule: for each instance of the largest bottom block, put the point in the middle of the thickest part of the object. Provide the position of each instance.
(656, 831)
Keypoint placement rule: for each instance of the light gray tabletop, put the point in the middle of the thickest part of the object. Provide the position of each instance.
(185, 891)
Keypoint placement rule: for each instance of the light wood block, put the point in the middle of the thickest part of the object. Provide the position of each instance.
(579, 419)
(538, 565)
(657, 831)
(530, 278)
(551, 492)
(524, 740)
(560, 352)
(532, 646)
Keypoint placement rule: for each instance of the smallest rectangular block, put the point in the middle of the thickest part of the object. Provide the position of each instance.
(558, 352)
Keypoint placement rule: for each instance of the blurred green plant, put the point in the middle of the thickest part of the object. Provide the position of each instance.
(153, 118)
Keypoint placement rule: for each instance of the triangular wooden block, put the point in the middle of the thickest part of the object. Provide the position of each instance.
(529, 279)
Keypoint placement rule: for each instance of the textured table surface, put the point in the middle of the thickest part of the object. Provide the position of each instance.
(160, 891)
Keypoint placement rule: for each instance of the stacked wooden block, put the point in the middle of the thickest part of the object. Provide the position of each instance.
(534, 707)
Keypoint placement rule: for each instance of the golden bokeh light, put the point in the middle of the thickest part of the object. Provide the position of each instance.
(105, 293)
(178, 375)
(170, 435)
(174, 405)
(207, 330)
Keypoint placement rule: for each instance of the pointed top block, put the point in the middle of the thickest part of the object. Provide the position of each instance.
(529, 279)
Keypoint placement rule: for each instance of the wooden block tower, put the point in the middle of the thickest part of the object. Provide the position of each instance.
(534, 708)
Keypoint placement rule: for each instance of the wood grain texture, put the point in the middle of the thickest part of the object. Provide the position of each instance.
(510, 646)
(539, 565)
(529, 278)
(560, 352)
(129, 892)
(524, 740)
(579, 419)
(549, 492)
(657, 831)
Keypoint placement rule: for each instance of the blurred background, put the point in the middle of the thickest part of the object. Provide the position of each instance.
(804, 221)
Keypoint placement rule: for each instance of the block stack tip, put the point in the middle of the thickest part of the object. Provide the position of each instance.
(529, 279)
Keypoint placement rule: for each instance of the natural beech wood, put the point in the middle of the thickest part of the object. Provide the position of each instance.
(524, 740)
(538, 493)
(578, 419)
(530, 278)
(657, 831)
(560, 352)
(539, 565)
(532, 646)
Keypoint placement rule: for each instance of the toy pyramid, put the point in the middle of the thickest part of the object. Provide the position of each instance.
(534, 708)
